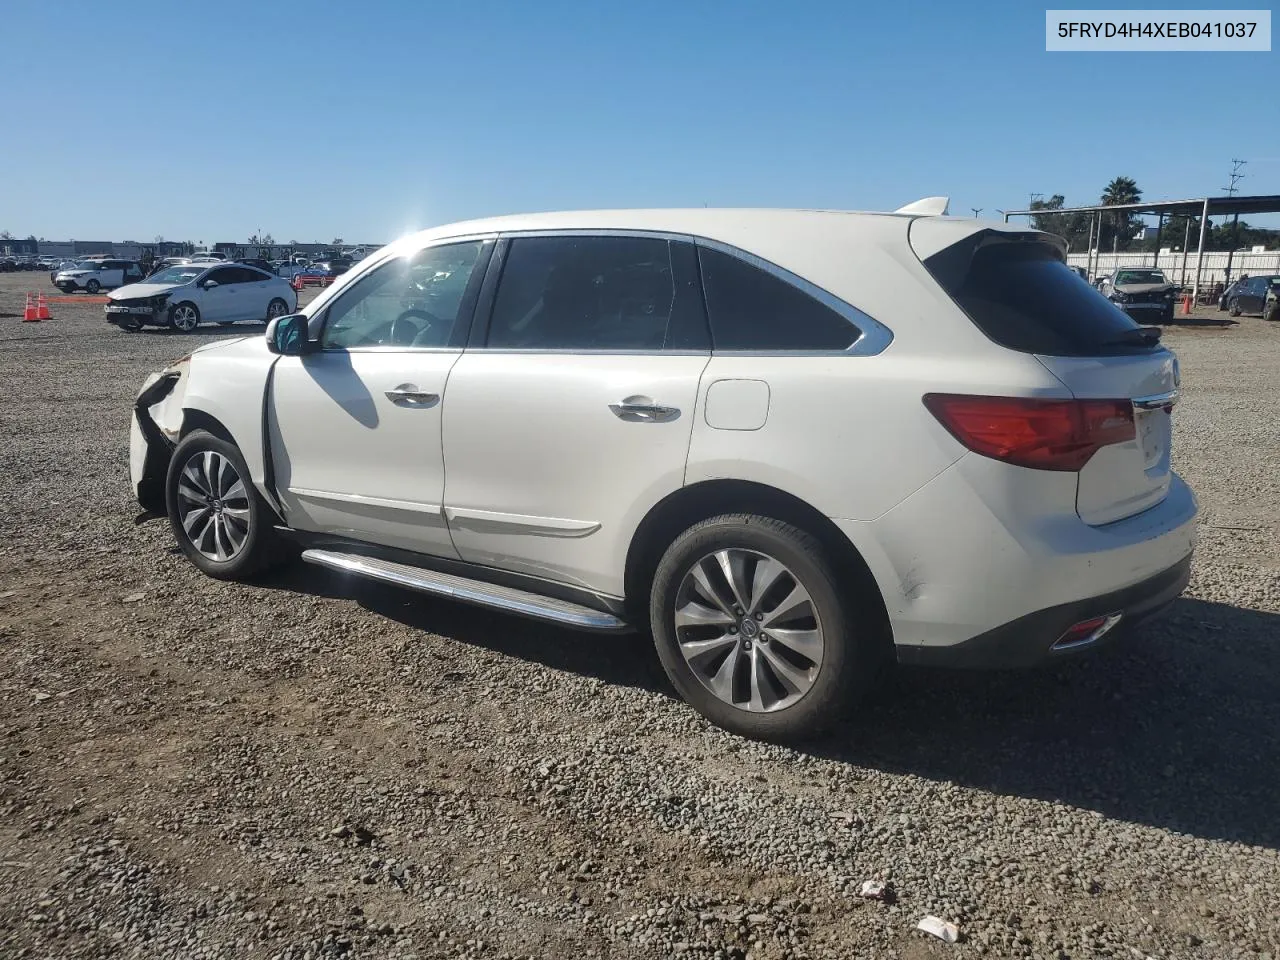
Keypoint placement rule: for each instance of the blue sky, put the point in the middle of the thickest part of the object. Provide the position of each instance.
(367, 119)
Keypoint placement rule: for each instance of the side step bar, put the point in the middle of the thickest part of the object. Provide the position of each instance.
(519, 602)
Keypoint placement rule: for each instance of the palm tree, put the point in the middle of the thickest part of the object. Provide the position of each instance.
(1121, 190)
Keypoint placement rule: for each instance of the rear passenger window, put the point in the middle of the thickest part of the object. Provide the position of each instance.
(597, 293)
(751, 309)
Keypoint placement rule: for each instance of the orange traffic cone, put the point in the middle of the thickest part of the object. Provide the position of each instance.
(42, 308)
(29, 311)
(1186, 304)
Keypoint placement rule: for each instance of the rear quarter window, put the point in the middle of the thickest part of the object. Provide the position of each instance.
(752, 310)
(1022, 295)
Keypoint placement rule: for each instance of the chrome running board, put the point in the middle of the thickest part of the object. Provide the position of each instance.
(453, 587)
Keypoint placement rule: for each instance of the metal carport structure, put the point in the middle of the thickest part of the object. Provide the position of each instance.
(1204, 208)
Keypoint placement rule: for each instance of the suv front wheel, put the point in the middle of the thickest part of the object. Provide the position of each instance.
(217, 515)
(755, 631)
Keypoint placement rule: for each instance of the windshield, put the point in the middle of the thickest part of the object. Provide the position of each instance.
(176, 275)
(1140, 276)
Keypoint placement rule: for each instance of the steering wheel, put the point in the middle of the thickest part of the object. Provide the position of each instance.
(404, 332)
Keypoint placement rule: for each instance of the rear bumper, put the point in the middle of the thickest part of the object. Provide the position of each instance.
(1030, 639)
(985, 545)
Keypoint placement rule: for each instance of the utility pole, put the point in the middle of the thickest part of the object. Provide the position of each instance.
(1034, 198)
(1236, 176)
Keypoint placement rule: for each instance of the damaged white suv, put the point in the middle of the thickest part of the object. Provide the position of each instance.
(792, 445)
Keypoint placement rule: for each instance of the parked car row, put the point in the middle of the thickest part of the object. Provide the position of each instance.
(12, 264)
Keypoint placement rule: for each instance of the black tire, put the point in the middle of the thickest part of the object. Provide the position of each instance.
(276, 308)
(260, 547)
(1167, 316)
(93, 286)
(131, 325)
(1233, 308)
(1272, 312)
(852, 632)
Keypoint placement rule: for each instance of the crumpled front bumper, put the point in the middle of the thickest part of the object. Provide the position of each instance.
(150, 446)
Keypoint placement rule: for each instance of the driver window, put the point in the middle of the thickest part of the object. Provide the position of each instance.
(409, 302)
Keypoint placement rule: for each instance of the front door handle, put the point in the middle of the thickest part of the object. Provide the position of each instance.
(640, 409)
(408, 395)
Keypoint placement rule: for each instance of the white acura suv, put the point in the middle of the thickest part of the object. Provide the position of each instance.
(792, 445)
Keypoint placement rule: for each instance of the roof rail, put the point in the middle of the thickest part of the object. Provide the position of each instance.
(928, 207)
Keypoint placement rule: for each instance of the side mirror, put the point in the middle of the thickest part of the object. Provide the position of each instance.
(287, 335)
(209, 284)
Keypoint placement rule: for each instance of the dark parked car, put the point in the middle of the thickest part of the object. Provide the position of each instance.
(8, 265)
(262, 265)
(334, 266)
(1271, 308)
(1248, 294)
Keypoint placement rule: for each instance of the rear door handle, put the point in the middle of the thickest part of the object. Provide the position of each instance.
(639, 409)
(408, 395)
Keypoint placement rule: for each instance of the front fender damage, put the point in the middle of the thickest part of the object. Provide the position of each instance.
(157, 415)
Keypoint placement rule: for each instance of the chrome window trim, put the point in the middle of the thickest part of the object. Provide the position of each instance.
(599, 232)
(874, 336)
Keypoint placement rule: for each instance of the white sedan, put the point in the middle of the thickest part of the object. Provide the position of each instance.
(187, 295)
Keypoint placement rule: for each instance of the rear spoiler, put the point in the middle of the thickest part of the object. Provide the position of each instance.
(928, 207)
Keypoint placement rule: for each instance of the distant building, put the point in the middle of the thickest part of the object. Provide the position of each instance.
(13, 247)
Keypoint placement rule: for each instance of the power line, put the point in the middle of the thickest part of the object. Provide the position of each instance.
(1236, 176)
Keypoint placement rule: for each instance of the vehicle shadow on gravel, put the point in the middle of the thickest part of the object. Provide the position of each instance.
(1175, 728)
(625, 660)
(1223, 321)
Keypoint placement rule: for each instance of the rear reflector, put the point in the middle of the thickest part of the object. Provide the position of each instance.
(1040, 434)
(1086, 632)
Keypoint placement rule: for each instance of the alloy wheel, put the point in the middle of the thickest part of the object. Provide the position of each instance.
(748, 629)
(185, 318)
(213, 505)
(276, 308)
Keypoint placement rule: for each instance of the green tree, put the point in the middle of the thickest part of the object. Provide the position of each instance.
(1118, 228)
(1072, 227)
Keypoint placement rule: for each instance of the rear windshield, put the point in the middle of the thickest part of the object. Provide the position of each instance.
(1022, 295)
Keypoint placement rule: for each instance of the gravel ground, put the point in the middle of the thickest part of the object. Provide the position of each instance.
(306, 768)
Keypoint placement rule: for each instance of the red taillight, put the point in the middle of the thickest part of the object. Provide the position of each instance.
(1041, 434)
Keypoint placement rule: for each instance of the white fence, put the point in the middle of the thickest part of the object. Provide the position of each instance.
(1214, 269)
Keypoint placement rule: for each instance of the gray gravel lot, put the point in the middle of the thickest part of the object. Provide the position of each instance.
(313, 768)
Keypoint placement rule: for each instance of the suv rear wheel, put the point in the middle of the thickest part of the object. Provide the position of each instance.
(756, 631)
